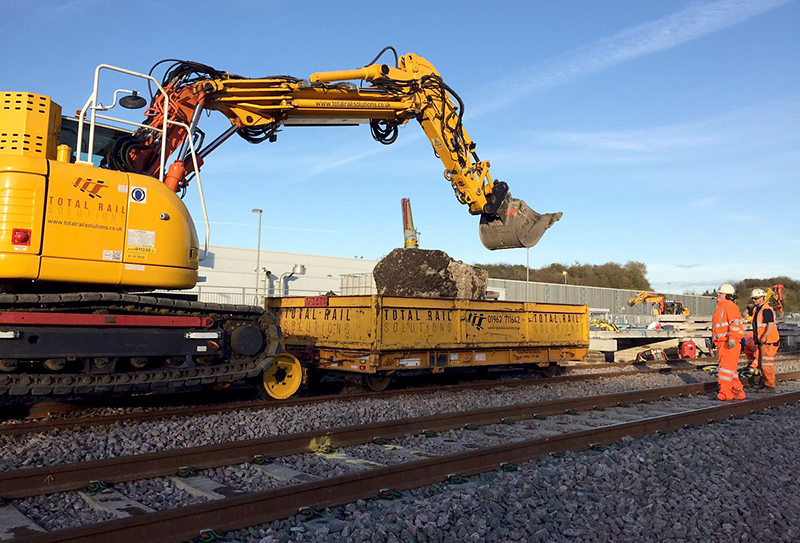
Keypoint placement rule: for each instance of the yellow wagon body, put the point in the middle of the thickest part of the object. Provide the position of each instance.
(378, 334)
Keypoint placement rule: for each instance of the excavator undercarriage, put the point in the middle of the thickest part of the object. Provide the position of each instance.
(92, 342)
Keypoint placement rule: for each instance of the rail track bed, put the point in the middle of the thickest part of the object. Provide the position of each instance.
(235, 485)
(100, 411)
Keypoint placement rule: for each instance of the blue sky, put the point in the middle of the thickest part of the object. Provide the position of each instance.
(667, 132)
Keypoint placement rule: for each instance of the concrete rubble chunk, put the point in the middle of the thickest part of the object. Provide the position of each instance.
(424, 273)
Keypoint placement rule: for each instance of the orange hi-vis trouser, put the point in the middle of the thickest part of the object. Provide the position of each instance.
(730, 388)
(766, 363)
(751, 350)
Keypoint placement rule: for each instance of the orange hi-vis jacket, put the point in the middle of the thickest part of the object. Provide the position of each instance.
(759, 327)
(726, 323)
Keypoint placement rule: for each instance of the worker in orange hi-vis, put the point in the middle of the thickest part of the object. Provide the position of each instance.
(767, 338)
(726, 332)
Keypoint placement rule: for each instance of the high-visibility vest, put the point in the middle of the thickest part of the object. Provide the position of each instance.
(759, 326)
(726, 323)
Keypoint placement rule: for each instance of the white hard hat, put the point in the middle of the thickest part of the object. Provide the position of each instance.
(758, 293)
(727, 288)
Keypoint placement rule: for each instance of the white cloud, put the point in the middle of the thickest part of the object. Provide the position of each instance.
(694, 22)
(768, 126)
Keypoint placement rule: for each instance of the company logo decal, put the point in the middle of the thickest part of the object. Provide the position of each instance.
(139, 195)
(476, 320)
(92, 188)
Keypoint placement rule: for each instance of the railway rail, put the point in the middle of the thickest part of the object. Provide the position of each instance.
(594, 420)
(163, 413)
(48, 408)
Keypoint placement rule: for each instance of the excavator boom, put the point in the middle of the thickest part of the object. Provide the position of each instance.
(258, 108)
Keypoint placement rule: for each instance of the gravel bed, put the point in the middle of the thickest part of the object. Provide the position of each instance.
(318, 465)
(686, 486)
(246, 476)
(74, 445)
(158, 493)
(397, 452)
(60, 510)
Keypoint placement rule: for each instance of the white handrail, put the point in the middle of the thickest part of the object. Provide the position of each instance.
(94, 106)
(199, 185)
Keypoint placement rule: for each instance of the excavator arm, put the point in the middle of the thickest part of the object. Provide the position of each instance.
(413, 89)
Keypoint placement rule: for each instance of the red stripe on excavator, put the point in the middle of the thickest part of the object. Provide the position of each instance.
(82, 319)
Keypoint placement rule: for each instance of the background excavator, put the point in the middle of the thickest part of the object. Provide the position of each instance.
(91, 216)
(774, 297)
(662, 305)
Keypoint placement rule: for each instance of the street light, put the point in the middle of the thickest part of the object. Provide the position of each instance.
(565, 276)
(527, 272)
(258, 253)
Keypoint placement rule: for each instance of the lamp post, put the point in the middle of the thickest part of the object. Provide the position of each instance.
(258, 252)
(565, 276)
(669, 287)
(527, 272)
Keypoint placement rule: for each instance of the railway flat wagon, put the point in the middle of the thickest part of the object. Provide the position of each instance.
(381, 336)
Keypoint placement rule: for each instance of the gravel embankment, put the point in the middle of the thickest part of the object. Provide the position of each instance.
(75, 445)
(66, 446)
(733, 481)
(67, 509)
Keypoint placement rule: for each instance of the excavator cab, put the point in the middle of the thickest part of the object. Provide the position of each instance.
(105, 138)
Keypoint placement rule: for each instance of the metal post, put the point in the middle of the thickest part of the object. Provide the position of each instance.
(527, 272)
(258, 255)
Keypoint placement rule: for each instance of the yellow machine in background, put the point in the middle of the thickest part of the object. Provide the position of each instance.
(90, 213)
(774, 297)
(662, 305)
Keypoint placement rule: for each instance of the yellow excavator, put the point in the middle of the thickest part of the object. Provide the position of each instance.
(774, 297)
(92, 222)
(662, 305)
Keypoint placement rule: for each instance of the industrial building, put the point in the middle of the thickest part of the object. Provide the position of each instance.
(237, 275)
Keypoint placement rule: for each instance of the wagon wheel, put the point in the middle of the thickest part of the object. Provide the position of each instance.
(281, 380)
(548, 371)
(376, 382)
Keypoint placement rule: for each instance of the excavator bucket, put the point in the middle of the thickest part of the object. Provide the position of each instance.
(515, 226)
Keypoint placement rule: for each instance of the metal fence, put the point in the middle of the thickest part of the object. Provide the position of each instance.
(239, 295)
(615, 301)
(610, 303)
(358, 284)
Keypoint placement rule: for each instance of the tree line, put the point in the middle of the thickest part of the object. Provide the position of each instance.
(631, 275)
(791, 291)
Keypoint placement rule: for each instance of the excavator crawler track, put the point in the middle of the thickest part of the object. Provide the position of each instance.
(108, 374)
